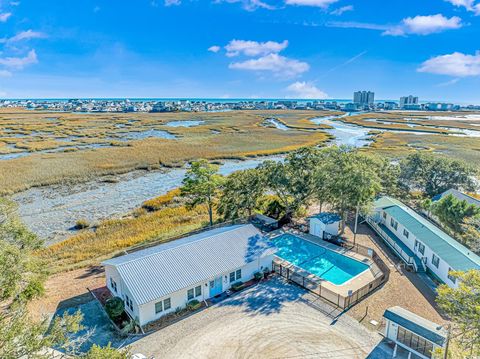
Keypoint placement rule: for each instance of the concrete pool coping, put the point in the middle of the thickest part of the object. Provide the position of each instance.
(344, 289)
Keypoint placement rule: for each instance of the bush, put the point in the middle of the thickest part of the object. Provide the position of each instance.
(114, 307)
(193, 304)
(82, 224)
(237, 286)
(258, 275)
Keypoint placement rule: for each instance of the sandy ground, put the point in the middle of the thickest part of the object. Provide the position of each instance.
(67, 289)
(271, 320)
(403, 288)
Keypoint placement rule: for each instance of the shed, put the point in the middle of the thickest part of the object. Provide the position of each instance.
(414, 333)
(324, 224)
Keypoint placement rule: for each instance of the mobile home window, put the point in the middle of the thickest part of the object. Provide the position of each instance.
(232, 277)
(158, 307)
(167, 304)
(435, 260)
(238, 274)
(384, 215)
(198, 291)
(421, 248)
(452, 278)
(393, 223)
(405, 233)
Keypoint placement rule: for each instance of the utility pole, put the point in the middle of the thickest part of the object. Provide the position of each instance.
(356, 224)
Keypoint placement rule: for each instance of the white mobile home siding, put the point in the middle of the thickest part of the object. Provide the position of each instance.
(443, 268)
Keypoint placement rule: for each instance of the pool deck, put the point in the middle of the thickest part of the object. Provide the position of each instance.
(351, 285)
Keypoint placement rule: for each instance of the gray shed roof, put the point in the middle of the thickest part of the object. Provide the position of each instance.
(459, 195)
(158, 271)
(416, 324)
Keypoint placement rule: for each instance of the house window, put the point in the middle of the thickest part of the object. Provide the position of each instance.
(167, 304)
(194, 292)
(405, 233)
(435, 260)
(190, 294)
(384, 215)
(128, 302)
(415, 342)
(113, 284)
(158, 307)
(234, 276)
(393, 223)
(451, 277)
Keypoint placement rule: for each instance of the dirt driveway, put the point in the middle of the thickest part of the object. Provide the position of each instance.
(271, 320)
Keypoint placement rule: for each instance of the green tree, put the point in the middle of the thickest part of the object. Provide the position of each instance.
(201, 185)
(462, 305)
(97, 352)
(433, 175)
(240, 194)
(353, 183)
(453, 212)
(294, 180)
(471, 233)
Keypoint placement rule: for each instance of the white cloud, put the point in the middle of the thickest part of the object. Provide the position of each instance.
(254, 48)
(279, 65)
(455, 64)
(469, 5)
(27, 35)
(341, 10)
(249, 5)
(317, 3)
(425, 25)
(5, 73)
(4, 16)
(418, 25)
(20, 62)
(214, 48)
(172, 2)
(305, 90)
(449, 82)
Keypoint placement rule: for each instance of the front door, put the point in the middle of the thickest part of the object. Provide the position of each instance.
(215, 287)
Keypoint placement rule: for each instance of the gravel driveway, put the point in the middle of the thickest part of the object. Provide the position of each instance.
(271, 320)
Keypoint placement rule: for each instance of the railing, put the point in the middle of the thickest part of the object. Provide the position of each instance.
(403, 255)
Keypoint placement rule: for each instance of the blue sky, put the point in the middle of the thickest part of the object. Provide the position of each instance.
(240, 48)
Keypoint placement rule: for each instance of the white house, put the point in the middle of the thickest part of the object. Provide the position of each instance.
(155, 281)
(413, 333)
(419, 242)
(324, 224)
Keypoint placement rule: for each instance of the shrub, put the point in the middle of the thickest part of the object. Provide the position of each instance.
(114, 307)
(193, 304)
(258, 275)
(82, 224)
(237, 286)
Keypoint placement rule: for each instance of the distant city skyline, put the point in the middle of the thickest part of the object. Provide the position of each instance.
(240, 49)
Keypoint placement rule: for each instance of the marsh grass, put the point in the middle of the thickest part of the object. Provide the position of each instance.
(241, 136)
(112, 237)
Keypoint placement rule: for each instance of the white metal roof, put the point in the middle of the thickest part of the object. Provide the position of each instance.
(158, 271)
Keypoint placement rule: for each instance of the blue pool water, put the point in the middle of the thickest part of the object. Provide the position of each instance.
(322, 262)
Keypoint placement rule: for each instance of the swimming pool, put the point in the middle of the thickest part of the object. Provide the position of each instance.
(320, 261)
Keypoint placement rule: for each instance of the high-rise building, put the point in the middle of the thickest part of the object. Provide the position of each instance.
(364, 97)
(408, 101)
